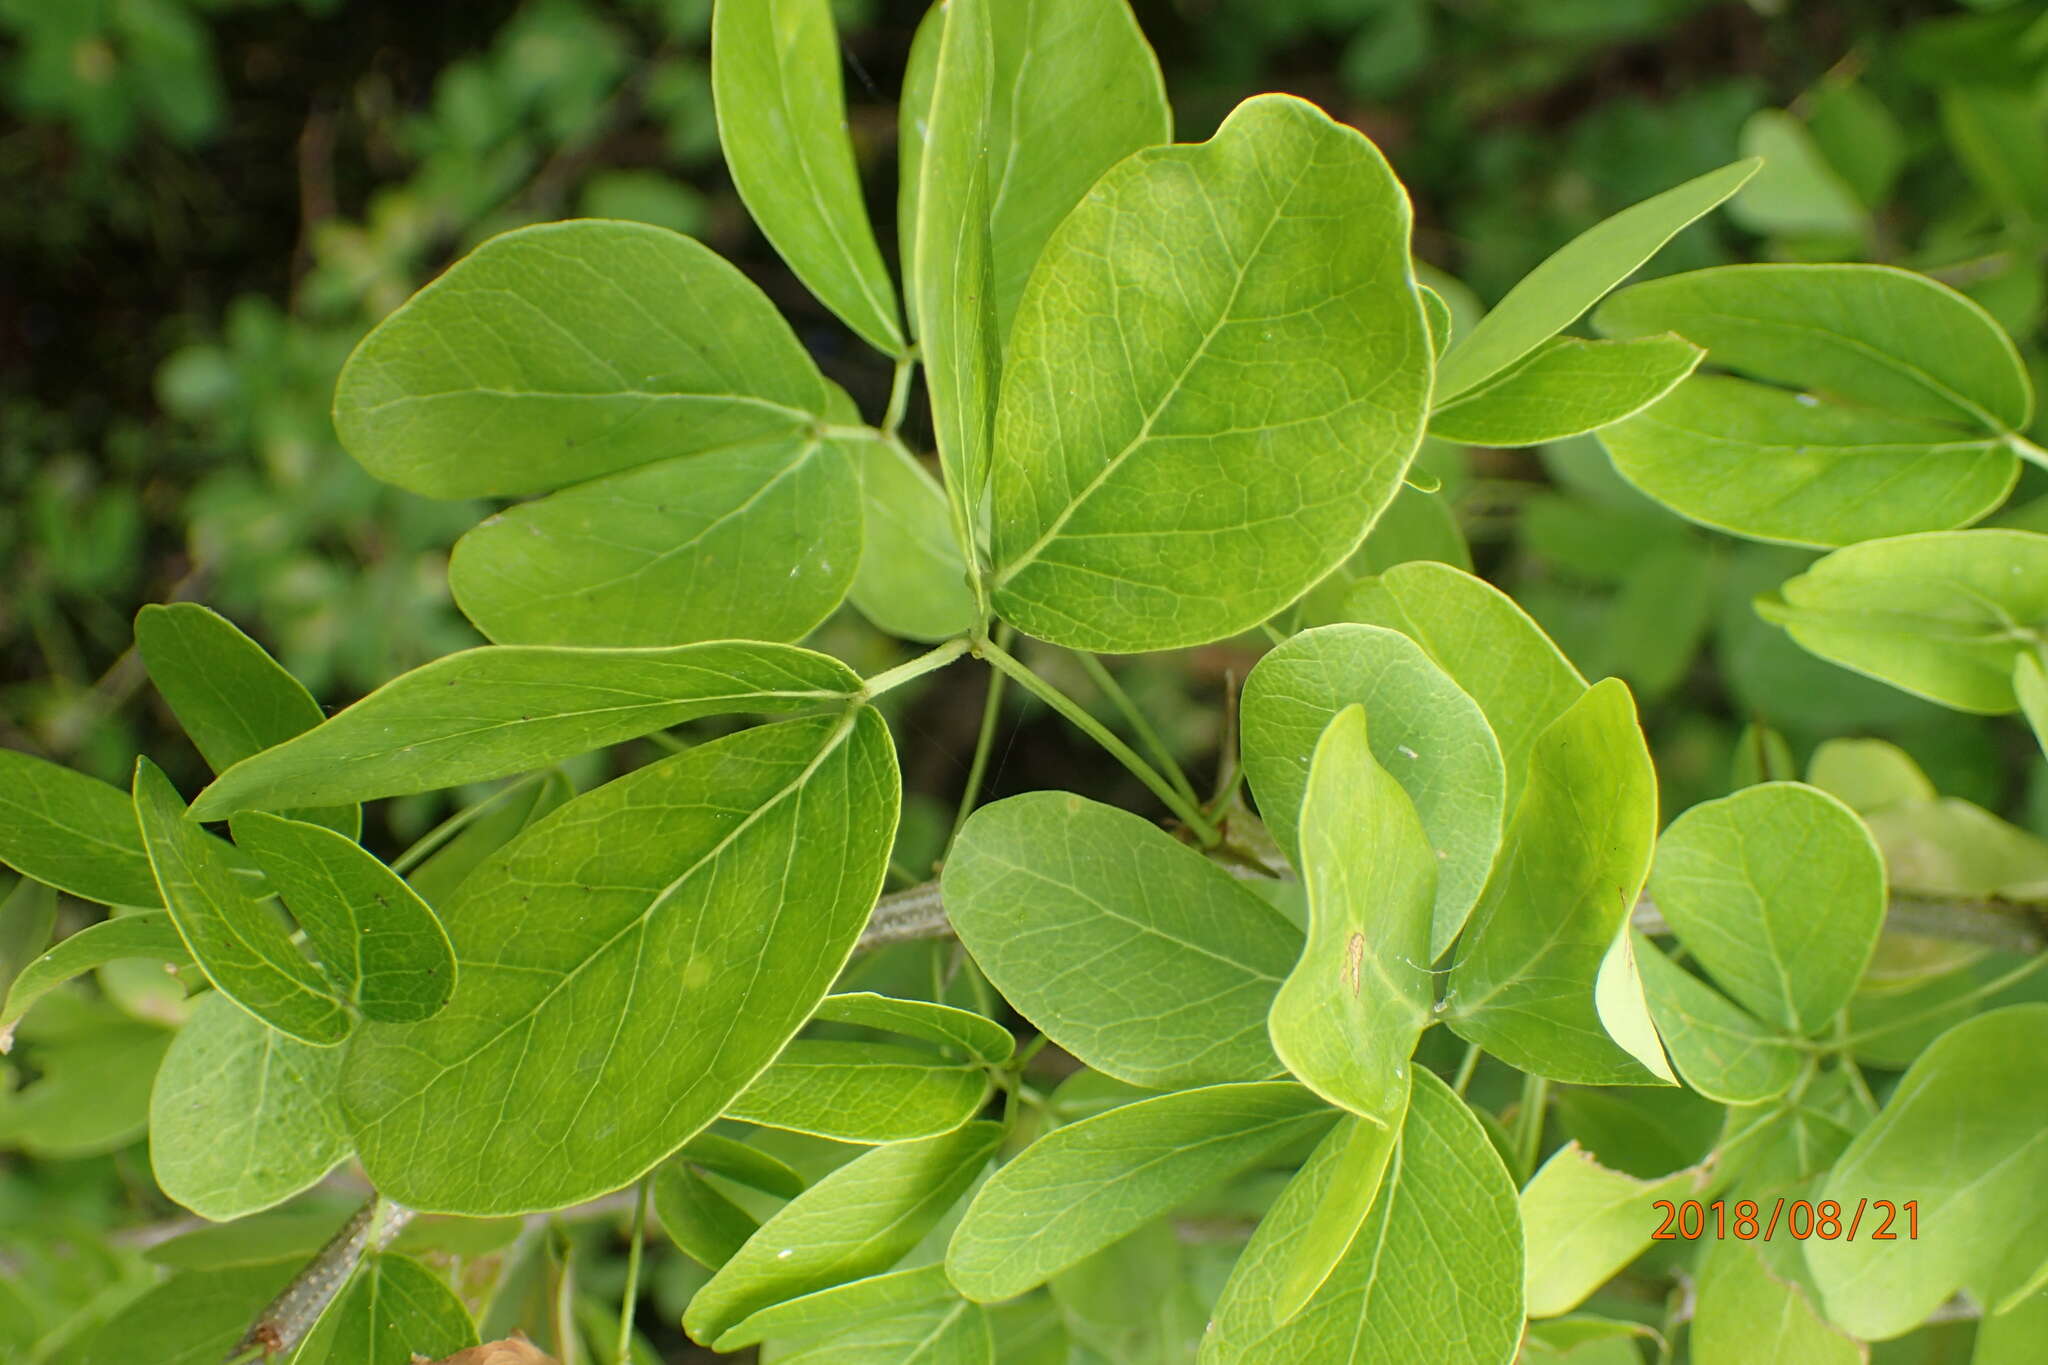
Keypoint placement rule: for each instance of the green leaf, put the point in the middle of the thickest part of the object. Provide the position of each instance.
(840, 1306)
(277, 1235)
(742, 1164)
(565, 351)
(1177, 464)
(240, 944)
(149, 934)
(242, 1116)
(73, 832)
(1445, 1217)
(1645, 1132)
(1868, 774)
(1553, 295)
(1965, 1135)
(1585, 1340)
(231, 697)
(1565, 387)
(1364, 1149)
(28, 917)
(1576, 853)
(1347, 1018)
(952, 270)
(725, 884)
(1134, 953)
(756, 541)
(1424, 730)
(1074, 89)
(1437, 314)
(378, 941)
(1771, 464)
(949, 1332)
(1486, 643)
(977, 1035)
(782, 123)
(705, 1225)
(1747, 1313)
(1950, 847)
(1137, 1302)
(394, 1312)
(1720, 1049)
(2014, 1336)
(1785, 1144)
(1943, 615)
(1858, 134)
(486, 828)
(1779, 891)
(2030, 689)
(190, 1319)
(913, 123)
(858, 1221)
(1761, 755)
(93, 1067)
(911, 581)
(1895, 398)
(1624, 1007)
(1581, 1223)
(513, 708)
(828, 1312)
(1416, 525)
(1997, 130)
(862, 1092)
(1866, 335)
(1796, 193)
(1084, 1186)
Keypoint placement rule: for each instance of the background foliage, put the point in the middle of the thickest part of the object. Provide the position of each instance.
(210, 201)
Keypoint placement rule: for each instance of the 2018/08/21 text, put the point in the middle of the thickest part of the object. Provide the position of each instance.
(1691, 1220)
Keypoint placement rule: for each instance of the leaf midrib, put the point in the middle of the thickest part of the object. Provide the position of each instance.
(646, 916)
(1172, 391)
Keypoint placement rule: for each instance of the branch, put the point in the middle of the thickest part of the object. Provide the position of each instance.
(289, 1316)
(285, 1321)
(916, 912)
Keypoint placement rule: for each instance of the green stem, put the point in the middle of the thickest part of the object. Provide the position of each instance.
(1027, 1052)
(568, 1339)
(890, 679)
(1529, 1122)
(625, 1352)
(899, 394)
(1468, 1064)
(440, 834)
(984, 742)
(1674, 1318)
(1095, 730)
(1140, 726)
(2026, 449)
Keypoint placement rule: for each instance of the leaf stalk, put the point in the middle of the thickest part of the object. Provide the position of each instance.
(932, 659)
(1078, 716)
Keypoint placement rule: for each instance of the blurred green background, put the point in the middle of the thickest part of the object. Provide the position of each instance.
(205, 203)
